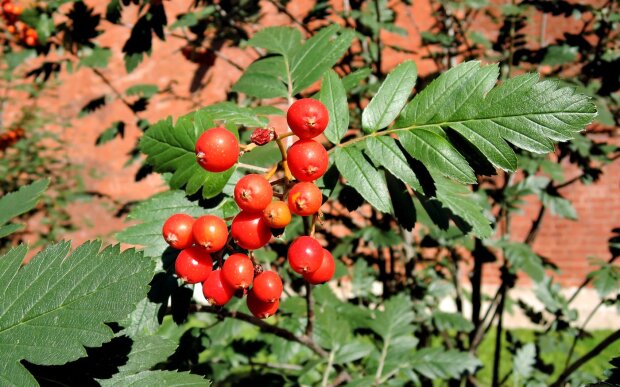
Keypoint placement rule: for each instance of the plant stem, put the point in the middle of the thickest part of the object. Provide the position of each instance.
(330, 362)
(606, 342)
(253, 168)
(265, 327)
(384, 352)
(577, 336)
(498, 338)
(309, 310)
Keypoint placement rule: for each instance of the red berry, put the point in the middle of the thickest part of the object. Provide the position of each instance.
(305, 255)
(177, 231)
(217, 150)
(325, 272)
(238, 271)
(307, 160)
(267, 286)
(253, 193)
(304, 199)
(307, 118)
(277, 214)
(215, 290)
(193, 265)
(210, 232)
(250, 231)
(261, 309)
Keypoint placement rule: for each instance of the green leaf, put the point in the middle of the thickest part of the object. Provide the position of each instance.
(437, 363)
(391, 97)
(528, 113)
(99, 57)
(353, 350)
(396, 318)
(19, 202)
(521, 257)
(353, 79)
(331, 330)
(606, 279)
(146, 352)
(437, 154)
(462, 202)
(117, 129)
(57, 304)
(144, 90)
(385, 151)
(559, 206)
(445, 321)
(362, 278)
(10, 229)
(317, 55)
(153, 212)
(362, 176)
(263, 79)
(558, 55)
(281, 40)
(155, 378)
(334, 97)
(523, 362)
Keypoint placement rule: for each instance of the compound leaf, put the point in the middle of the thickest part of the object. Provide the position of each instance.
(19, 202)
(59, 303)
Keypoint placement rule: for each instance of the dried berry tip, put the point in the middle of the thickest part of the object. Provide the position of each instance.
(263, 136)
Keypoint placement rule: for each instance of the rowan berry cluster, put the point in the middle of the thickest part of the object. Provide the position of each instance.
(10, 14)
(263, 214)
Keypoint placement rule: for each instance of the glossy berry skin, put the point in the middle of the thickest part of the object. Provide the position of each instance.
(217, 150)
(277, 214)
(261, 309)
(304, 199)
(305, 255)
(267, 286)
(216, 290)
(250, 231)
(238, 271)
(307, 160)
(307, 118)
(193, 265)
(210, 232)
(253, 193)
(177, 231)
(325, 272)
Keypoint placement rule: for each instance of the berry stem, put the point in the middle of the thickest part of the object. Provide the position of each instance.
(247, 148)
(285, 135)
(272, 171)
(252, 167)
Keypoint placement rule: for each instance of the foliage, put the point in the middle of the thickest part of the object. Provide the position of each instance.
(456, 160)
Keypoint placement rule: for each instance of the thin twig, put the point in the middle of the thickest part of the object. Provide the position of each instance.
(577, 336)
(265, 327)
(250, 167)
(309, 310)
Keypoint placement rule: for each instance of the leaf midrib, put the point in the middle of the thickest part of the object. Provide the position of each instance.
(442, 124)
